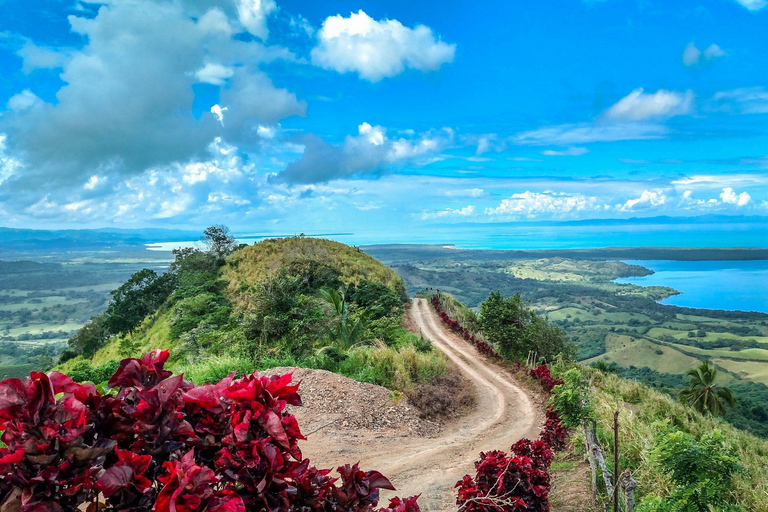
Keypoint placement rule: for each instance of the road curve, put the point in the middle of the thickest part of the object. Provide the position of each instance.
(503, 414)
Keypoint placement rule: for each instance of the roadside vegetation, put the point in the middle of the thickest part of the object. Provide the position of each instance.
(619, 325)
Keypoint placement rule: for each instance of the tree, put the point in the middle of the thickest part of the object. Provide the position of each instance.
(141, 295)
(91, 337)
(218, 241)
(509, 324)
(703, 394)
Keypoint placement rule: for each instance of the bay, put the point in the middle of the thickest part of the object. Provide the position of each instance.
(728, 285)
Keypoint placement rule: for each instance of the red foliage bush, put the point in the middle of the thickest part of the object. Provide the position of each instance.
(482, 347)
(160, 443)
(506, 483)
(545, 377)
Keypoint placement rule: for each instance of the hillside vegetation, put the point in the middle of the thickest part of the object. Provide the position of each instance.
(282, 302)
(619, 325)
(682, 460)
(647, 415)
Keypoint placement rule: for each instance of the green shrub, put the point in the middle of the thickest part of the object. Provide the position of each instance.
(397, 369)
(83, 371)
(571, 399)
(702, 471)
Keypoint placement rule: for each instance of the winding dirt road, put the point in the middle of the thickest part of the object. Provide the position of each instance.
(504, 413)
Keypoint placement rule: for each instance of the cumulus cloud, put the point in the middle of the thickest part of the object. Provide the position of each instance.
(530, 203)
(24, 100)
(574, 151)
(253, 15)
(448, 212)
(214, 74)
(370, 151)
(647, 199)
(729, 196)
(378, 49)
(126, 104)
(753, 5)
(692, 55)
(640, 106)
(745, 100)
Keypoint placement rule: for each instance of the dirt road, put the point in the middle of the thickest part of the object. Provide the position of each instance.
(504, 413)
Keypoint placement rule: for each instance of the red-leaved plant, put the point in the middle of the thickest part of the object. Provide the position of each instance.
(518, 482)
(481, 346)
(161, 443)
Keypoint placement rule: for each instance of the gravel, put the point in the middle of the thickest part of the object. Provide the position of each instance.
(338, 403)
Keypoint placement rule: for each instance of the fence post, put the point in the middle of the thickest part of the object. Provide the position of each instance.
(628, 485)
(616, 460)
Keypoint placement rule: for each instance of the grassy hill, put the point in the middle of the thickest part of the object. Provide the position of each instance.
(253, 264)
(282, 302)
(645, 414)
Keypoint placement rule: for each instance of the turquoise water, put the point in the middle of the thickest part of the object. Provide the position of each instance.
(546, 236)
(730, 285)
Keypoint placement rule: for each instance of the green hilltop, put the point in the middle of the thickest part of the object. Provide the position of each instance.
(295, 301)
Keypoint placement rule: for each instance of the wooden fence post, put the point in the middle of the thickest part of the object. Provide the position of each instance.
(616, 461)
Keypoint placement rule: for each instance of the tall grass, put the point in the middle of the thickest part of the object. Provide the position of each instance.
(214, 368)
(641, 412)
(394, 368)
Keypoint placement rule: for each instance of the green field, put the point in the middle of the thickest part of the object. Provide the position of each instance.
(43, 303)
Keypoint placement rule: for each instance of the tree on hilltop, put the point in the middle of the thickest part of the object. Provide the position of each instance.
(218, 241)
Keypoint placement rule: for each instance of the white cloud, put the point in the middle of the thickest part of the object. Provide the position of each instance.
(378, 49)
(214, 73)
(574, 151)
(39, 57)
(472, 192)
(448, 212)
(553, 203)
(729, 196)
(639, 106)
(713, 51)
(692, 55)
(125, 105)
(745, 100)
(24, 100)
(753, 5)
(584, 133)
(218, 111)
(253, 15)
(647, 199)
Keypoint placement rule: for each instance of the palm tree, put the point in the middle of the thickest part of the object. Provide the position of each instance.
(346, 333)
(703, 394)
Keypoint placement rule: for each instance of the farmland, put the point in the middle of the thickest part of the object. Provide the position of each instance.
(45, 301)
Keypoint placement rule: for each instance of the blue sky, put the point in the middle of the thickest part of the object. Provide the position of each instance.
(361, 115)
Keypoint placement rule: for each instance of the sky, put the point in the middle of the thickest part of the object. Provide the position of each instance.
(288, 115)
